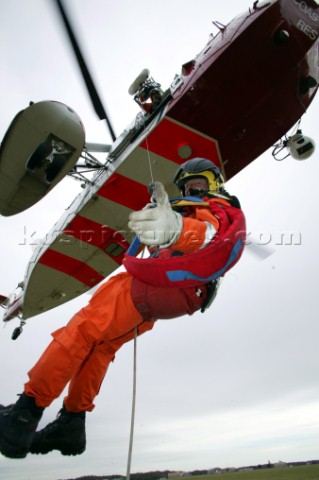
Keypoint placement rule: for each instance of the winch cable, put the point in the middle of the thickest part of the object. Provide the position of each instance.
(130, 450)
(129, 459)
(149, 160)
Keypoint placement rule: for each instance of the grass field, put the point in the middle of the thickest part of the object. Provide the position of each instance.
(308, 472)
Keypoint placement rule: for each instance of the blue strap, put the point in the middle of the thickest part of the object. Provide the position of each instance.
(180, 275)
(133, 248)
(189, 199)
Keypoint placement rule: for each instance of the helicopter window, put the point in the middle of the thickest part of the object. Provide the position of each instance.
(114, 249)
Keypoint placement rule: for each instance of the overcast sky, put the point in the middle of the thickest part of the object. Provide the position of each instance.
(235, 386)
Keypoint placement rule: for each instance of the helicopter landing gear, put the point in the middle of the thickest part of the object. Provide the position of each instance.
(18, 330)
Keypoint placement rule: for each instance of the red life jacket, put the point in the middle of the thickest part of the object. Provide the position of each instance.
(201, 266)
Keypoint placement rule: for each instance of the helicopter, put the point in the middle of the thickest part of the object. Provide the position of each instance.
(186, 120)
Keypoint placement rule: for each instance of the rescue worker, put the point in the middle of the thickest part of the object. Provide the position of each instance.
(81, 352)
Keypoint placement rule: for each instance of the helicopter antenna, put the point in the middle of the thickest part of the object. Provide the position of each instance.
(95, 98)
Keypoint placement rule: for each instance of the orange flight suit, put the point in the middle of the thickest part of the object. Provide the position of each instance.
(81, 352)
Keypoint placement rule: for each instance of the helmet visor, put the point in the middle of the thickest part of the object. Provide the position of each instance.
(213, 182)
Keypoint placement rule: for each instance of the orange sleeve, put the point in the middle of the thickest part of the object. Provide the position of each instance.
(193, 232)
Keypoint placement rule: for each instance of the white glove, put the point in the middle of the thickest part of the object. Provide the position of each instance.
(157, 224)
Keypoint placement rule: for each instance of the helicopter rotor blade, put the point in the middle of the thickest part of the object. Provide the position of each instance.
(95, 98)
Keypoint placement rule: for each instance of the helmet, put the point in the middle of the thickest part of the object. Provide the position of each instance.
(199, 167)
(300, 147)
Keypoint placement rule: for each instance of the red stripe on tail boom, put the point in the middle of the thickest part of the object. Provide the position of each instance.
(99, 236)
(125, 191)
(72, 267)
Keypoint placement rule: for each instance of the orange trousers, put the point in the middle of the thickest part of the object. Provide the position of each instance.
(81, 352)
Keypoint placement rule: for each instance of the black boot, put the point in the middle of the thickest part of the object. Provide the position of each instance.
(66, 433)
(18, 423)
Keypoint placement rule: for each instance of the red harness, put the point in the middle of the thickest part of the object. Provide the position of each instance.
(202, 266)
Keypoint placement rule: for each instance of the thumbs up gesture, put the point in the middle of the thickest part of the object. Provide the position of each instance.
(157, 224)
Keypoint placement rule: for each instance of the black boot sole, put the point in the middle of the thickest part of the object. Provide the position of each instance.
(67, 451)
(12, 451)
